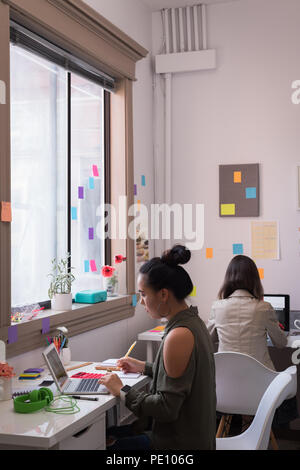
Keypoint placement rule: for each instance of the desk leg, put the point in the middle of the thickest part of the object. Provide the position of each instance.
(149, 351)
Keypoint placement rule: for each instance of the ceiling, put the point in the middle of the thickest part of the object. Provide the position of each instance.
(160, 4)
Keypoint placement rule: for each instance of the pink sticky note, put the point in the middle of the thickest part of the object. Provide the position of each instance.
(95, 170)
(93, 265)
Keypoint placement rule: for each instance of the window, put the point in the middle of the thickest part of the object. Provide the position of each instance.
(57, 175)
(72, 39)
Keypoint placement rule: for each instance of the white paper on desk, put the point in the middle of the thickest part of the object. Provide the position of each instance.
(109, 362)
(129, 375)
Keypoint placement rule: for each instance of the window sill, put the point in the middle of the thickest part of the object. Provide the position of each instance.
(82, 318)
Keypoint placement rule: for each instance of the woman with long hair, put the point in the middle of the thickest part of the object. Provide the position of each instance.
(240, 320)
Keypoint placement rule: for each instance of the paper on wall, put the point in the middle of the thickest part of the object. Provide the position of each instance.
(265, 240)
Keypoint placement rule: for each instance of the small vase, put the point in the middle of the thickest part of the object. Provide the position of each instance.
(61, 302)
(5, 388)
(65, 355)
(111, 285)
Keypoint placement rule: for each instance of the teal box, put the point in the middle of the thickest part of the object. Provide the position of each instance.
(90, 296)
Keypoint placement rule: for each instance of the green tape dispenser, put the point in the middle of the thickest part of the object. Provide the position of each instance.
(33, 401)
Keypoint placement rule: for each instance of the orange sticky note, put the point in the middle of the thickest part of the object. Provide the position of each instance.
(237, 176)
(209, 252)
(261, 273)
(6, 212)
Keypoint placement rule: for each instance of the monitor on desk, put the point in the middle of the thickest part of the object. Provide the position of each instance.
(281, 305)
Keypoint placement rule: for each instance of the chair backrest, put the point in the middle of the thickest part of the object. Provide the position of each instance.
(257, 436)
(241, 382)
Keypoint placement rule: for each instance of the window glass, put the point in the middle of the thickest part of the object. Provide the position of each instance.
(57, 176)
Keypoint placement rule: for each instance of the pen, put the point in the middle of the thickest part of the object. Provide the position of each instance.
(130, 349)
(84, 398)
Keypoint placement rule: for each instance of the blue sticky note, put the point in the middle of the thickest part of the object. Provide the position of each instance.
(86, 266)
(237, 248)
(143, 180)
(45, 325)
(134, 300)
(74, 213)
(250, 193)
(91, 183)
(12, 334)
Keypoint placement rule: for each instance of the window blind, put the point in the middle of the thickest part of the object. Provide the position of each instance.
(34, 43)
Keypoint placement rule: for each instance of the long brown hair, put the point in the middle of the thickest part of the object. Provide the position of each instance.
(241, 273)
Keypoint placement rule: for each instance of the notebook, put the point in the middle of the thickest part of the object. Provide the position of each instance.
(66, 385)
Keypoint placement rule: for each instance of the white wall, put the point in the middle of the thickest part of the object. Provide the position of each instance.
(132, 17)
(239, 113)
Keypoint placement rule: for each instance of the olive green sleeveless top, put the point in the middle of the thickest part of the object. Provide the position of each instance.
(183, 409)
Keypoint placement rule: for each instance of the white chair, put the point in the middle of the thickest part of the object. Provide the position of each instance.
(241, 382)
(257, 436)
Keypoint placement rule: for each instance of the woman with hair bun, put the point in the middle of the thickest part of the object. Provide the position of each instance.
(181, 404)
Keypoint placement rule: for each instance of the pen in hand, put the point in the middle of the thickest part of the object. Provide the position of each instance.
(130, 349)
(84, 398)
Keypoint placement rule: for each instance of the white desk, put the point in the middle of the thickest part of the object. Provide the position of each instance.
(85, 430)
(151, 337)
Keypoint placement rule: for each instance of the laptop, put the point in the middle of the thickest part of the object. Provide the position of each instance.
(281, 305)
(66, 385)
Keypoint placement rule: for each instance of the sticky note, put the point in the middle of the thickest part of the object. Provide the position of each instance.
(194, 292)
(93, 265)
(227, 209)
(237, 248)
(143, 180)
(12, 334)
(261, 273)
(209, 252)
(80, 192)
(91, 233)
(91, 183)
(250, 193)
(74, 213)
(6, 212)
(139, 205)
(237, 176)
(95, 170)
(45, 325)
(86, 266)
(135, 189)
(134, 300)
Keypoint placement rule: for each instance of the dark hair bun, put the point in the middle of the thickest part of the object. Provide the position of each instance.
(179, 254)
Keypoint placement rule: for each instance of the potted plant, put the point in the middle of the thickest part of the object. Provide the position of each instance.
(61, 283)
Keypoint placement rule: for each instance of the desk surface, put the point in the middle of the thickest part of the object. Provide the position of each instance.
(43, 429)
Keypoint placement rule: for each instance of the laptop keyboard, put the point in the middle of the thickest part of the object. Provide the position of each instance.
(85, 385)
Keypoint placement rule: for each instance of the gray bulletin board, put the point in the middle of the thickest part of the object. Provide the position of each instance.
(239, 190)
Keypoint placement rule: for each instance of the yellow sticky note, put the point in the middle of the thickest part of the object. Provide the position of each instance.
(237, 176)
(261, 273)
(6, 212)
(209, 252)
(227, 209)
(194, 292)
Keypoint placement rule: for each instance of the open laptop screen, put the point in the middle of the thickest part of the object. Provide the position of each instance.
(56, 365)
(281, 305)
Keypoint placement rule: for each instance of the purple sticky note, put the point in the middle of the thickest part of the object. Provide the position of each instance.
(45, 325)
(12, 334)
(80, 192)
(135, 189)
(91, 233)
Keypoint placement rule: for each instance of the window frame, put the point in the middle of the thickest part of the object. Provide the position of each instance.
(106, 47)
